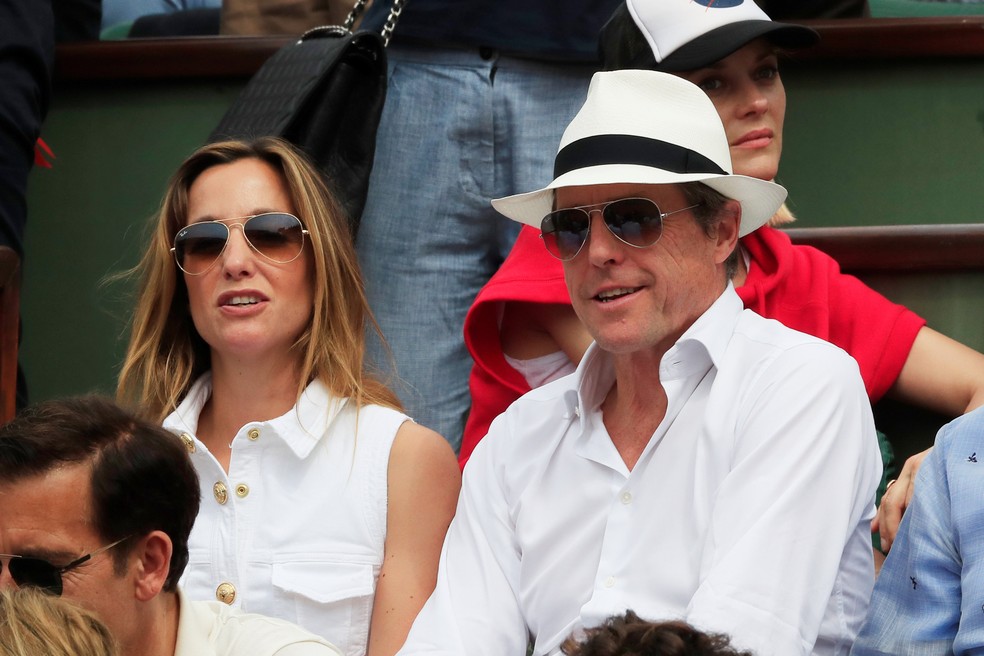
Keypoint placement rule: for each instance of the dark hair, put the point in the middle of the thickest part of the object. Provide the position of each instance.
(621, 43)
(142, 478)
(708, 213)
(627, 635)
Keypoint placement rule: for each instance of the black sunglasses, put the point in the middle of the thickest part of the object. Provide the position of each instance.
(277, 236)
(637, 222)
(39, 573)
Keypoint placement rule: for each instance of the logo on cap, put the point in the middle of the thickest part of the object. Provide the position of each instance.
(719, 4)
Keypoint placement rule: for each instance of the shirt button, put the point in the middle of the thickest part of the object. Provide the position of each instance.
(627, 498)
(610, 582)
(242, 490)
(188, 442)
(226, 593)
(253, 434)
(220, 492)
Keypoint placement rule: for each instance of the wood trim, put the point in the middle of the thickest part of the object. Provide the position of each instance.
(239, 57)
(185, 58)
(899, 249)
(865, 39)
(9, 331)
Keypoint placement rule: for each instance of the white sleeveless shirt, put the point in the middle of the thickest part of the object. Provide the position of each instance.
(296, 529)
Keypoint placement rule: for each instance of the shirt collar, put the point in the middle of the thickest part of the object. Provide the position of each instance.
(701, 346)
(193, 629)
(301, 427)
(704, 343)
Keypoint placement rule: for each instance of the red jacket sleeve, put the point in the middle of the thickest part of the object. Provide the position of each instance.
(805, 289)
(529, 275)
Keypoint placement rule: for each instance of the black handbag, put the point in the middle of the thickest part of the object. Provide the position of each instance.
(324, 94)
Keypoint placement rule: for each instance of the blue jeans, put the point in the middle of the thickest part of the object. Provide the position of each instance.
(459, 128)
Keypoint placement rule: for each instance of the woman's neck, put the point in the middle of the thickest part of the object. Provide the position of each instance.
(242, 394)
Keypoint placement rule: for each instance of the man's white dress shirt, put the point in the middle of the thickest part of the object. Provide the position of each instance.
(746, 514)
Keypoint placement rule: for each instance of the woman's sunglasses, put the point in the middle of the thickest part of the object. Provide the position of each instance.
(277, 236)
(637, 222)
(39, 573)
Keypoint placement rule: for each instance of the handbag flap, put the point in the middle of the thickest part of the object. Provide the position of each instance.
(324, 94)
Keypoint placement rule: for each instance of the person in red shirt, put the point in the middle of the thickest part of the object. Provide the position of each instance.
(522, 330)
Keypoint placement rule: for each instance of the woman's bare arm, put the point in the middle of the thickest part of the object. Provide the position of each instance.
(424, 481)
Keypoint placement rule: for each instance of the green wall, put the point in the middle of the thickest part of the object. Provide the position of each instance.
(884, 145)
(116, 145)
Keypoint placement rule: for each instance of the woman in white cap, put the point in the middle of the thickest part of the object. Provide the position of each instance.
(523, 333)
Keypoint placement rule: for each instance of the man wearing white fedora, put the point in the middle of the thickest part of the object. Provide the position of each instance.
(702, 463)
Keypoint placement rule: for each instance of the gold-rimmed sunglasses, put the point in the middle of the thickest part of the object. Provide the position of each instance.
(277, 236)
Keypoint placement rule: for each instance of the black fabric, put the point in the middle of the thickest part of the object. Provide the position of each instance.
(189, 22)
(27, 51)
(324, 94)
(795, 9)
(75, 20)
(605, 149)
(539, 29)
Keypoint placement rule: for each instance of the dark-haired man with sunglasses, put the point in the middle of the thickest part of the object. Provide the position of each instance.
(97, 507)
(702, 463)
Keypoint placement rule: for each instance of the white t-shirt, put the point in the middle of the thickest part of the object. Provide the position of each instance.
(210, 628)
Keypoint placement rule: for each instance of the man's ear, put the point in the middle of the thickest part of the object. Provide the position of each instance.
(151, 558)
(728, 227)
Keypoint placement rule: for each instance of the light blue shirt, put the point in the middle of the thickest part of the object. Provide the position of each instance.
(929, 598)
(115, 12)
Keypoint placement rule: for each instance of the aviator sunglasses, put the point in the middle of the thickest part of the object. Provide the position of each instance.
(637, 222)
(37, 572)
(277, 236)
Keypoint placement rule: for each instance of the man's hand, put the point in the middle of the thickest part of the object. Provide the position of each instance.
(896, 499)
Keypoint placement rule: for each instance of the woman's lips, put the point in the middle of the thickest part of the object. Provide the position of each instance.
(754, 139)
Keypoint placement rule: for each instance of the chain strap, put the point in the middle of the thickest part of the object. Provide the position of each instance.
(394, 16)
(357, 10)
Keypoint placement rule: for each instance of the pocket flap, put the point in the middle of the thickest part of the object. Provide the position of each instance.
(324, 582)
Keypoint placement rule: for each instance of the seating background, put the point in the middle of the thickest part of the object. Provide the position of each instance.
(885, 126)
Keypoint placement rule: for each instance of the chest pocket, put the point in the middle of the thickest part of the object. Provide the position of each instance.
(331, 599)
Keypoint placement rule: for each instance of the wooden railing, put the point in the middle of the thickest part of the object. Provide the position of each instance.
(921, 248)
(9, 329)
(240, 57)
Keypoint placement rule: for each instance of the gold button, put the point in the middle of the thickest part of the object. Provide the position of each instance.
(220, 492)
(253, 434)
(226, 593)
(188, 442)
(242, 490)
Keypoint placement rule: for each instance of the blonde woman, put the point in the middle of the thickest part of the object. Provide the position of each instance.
(322, 503)
(34, 623)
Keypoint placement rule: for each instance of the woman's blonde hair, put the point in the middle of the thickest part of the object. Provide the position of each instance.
(783, 216)
(166, 354)
(33, 623)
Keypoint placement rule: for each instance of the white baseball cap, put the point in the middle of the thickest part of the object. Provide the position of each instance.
(684, 35)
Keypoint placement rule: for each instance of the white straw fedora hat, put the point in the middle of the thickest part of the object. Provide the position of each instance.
(645, 127)
(683, 35)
